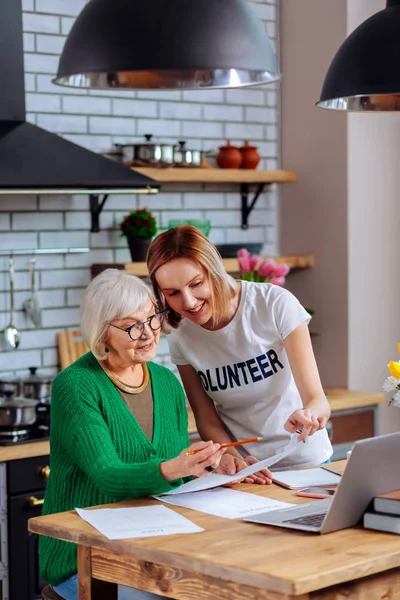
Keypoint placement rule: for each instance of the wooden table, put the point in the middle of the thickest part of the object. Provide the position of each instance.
(233, 560)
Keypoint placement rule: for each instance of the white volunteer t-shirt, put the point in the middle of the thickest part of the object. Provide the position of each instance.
(244, 368)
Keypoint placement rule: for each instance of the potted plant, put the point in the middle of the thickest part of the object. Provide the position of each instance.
(139, 227)
(254, 268)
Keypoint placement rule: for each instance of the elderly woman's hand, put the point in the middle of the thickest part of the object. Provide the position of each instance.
(208, 455)
(232, 464)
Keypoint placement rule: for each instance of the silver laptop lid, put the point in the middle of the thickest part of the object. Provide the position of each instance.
(372, 469)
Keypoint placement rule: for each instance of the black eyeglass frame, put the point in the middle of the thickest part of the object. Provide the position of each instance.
(161, 315)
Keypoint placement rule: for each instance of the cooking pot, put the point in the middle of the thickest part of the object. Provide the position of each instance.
(10, 386)
(147, 153)
(17, 411)
(184, 157)
(36, 386)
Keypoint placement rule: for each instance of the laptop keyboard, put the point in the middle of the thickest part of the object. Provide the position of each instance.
(311, 520)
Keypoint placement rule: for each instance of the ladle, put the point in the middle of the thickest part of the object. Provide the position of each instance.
(11, 334)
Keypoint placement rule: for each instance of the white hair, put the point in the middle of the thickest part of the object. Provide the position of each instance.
(112, 295)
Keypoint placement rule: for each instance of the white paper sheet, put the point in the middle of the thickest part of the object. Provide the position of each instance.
(216, 479)
(306, 478)
(224, 502)
(143, 521)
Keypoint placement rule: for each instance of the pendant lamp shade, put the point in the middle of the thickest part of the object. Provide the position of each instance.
(167, 44)
(365, 72)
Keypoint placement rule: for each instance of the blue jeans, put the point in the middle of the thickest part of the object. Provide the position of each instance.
(68, 590)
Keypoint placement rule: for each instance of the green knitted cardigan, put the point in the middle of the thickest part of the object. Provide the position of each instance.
(98, 452)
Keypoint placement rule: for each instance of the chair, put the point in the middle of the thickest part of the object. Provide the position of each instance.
(70, 347)
(49, 594)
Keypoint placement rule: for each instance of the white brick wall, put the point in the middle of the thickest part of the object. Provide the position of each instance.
(96, 120)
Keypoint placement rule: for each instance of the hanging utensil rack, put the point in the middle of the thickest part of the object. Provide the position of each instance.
(33, 251)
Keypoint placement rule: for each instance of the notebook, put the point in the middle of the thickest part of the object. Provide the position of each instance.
(389, 523)
(297, 479)
(388, 503)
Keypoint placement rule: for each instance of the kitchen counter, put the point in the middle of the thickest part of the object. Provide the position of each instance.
(339, 400)
(28, 450)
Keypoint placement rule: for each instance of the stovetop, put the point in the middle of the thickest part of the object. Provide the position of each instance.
(23, 435)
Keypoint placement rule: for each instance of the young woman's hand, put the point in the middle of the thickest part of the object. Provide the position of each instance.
(306, 421)
(209, 455)
(231, 464)
(261, 477)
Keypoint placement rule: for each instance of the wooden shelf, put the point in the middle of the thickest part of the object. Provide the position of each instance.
(187, 175)
(231, 265)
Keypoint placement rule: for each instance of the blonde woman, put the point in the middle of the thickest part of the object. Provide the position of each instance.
(244, 354)
(119, 421)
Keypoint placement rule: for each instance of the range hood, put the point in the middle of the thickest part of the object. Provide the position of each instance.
(35, 161)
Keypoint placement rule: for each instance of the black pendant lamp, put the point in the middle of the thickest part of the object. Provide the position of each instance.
(365, 72)
(167, 44)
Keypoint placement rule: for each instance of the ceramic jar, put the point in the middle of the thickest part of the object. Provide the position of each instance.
(250, 156)
(229, 157)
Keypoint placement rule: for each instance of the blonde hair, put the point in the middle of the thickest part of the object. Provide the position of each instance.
(112, 295)
(188, 242)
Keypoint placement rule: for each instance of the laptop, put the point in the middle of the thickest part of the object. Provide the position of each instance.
(372, 469)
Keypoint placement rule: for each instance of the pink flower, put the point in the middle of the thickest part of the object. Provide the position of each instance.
(267, 267)
(244, 264)
(278, 281)
(254, 261)
(243, 253)
(282, 270)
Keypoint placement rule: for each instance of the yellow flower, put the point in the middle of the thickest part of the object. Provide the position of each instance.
(394, 369)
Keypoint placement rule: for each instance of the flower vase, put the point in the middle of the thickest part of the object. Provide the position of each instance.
(138, 247)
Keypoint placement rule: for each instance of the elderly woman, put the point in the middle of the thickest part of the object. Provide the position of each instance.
(118, 421)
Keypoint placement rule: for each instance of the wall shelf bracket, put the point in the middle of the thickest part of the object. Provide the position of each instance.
(96, 206)
(246, 207)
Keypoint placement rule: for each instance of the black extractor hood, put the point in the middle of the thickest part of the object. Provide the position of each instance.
(35, 161)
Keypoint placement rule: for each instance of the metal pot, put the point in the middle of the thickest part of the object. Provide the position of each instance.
(17, 411)
(147, 153)
(183, 157)
(10, 386)
(36, 386)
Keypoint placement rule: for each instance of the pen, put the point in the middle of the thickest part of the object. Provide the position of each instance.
(239, 443)
(298, 431)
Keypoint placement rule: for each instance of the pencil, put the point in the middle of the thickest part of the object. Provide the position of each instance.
(239, 443)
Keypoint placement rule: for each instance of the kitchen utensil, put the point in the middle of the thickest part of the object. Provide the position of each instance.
(17, 411)
(11, 337)
(184, 157)
(229, 157)
(10, 385)
(36, 386)
(250, 156)
(147, 153)
(31, 305)
(71, 346)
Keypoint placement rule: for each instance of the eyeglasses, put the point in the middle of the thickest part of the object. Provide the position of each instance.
(136, 330)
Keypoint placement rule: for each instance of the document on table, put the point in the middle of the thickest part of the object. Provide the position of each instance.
(298, 479)
(224, 502)
(216, 479)
(143, 521)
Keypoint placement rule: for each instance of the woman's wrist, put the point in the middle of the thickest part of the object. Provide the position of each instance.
(168, 470)
(320, 408)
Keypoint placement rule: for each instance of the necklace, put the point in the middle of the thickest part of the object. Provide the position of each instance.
(129, 389)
